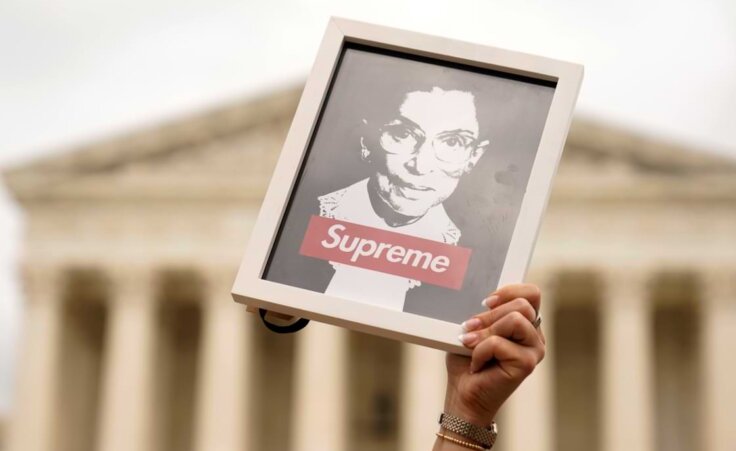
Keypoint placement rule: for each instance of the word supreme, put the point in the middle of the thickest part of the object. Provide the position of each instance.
(385, 251)
(363, 247)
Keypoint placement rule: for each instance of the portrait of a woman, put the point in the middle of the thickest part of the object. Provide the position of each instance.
(431, 150)
(417, 153)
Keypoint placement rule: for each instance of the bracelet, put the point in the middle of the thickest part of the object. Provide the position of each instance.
(460, 442)
(485, 436)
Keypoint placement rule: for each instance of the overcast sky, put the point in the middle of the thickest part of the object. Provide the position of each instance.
(75, 71)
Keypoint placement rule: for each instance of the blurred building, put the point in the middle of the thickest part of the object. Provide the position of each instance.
(132, 341)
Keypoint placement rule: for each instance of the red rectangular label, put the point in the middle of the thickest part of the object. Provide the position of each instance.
(388, 252)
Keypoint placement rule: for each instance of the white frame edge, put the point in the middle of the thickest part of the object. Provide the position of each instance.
(249, 288)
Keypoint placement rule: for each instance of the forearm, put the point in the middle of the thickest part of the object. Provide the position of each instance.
(506, 343)
(480, 414)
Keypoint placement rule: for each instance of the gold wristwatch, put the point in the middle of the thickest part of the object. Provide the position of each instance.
(485, 436)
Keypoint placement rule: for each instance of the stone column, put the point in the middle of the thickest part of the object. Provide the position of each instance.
(628, 409)
(529, 414)
(224, 378)
(423, 393)
(320, 404)
(32, 426)
(719, 360)
(127, 396)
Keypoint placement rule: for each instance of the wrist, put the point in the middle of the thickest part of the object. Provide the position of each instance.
(478, 437)
(470, 413)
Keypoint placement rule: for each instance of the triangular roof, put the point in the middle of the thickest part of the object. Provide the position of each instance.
(153, 143)
(63, 175)
(643, 151)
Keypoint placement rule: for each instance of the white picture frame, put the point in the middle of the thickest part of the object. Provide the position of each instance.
(362, 39)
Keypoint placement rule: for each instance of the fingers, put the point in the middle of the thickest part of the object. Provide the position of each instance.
(515, 360)
(506, 332)
(513, 329)
(487, 318)
(514, 326)
(507, 293)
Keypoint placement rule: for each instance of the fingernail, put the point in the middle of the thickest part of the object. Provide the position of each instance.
(471, 324)
(490, 302)
(468, 339)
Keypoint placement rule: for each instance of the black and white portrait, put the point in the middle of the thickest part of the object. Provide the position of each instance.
(421, 148)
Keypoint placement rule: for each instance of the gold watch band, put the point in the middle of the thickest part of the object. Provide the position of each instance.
(485, 436)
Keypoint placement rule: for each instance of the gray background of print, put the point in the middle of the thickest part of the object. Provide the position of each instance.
(486, 203)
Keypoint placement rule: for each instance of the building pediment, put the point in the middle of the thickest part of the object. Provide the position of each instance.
(231, 152)
(226, 152)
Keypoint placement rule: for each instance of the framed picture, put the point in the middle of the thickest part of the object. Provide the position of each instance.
(411, 184)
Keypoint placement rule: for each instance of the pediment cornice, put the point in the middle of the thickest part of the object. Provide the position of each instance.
(79, 169)
(229, 153)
